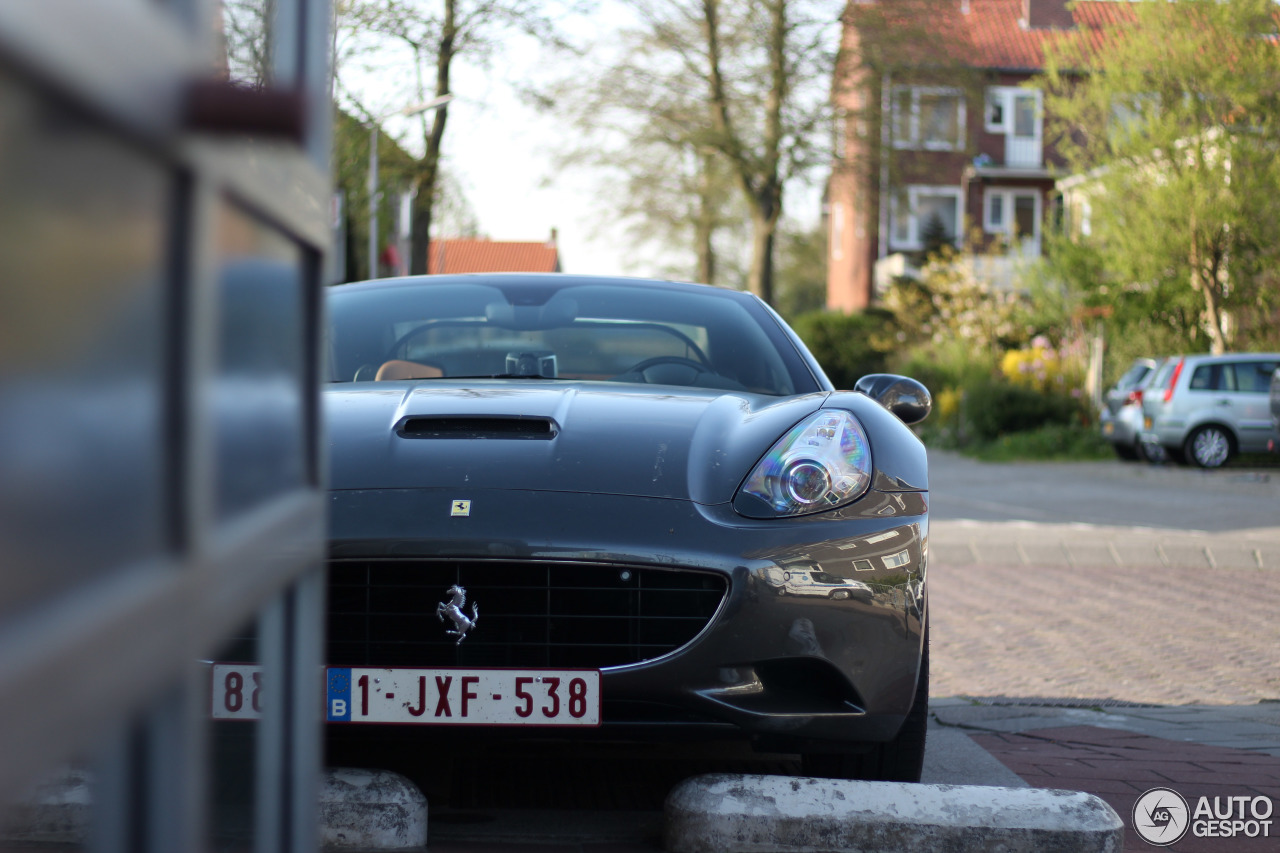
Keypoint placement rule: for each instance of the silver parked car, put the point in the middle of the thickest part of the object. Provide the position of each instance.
(1205, 409)
(1121, 417)
(1274, 444)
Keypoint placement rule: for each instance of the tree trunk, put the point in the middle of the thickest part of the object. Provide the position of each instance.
(429, 165)
(758, 175)
(763, 231)
(705, 227)
(1208, 291)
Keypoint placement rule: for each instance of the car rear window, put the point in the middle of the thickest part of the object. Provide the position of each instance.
(1254, 377)
(1133, 376)
(1210, 377)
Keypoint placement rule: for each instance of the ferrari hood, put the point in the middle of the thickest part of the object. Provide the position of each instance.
(592, 438)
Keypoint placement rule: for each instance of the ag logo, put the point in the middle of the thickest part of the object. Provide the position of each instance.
(1161, 816)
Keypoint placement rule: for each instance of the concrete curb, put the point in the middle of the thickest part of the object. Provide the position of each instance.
(371, 810)
(56, 812)
(720, 813)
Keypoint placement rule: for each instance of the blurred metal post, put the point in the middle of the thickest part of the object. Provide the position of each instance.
(164, 242)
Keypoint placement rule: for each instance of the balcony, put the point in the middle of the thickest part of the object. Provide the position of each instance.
(1023, 152)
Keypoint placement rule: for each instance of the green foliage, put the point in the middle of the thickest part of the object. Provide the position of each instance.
(949, 364)
(1050, 443)
(801, 285)
(996, 407)
(351, 177)
(1176, 125)
(935, 237)
(950, 302)
(848, 346)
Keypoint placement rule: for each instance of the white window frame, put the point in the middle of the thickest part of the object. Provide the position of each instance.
(1001, 94)
(914, 142)
(1007, 196)
(913, 193)
(1007, 95)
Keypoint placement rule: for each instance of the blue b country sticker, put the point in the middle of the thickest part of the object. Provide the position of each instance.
(338, 696)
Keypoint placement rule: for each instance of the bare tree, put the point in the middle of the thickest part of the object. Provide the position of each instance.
(767, 63)
(244, 55)
(642, 122)
(434, 33)
(716, 94)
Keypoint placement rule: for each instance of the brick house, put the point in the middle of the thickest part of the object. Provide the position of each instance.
(467, 255)
(949, 142)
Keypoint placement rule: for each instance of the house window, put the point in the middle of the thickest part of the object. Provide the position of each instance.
(995, 112)
(917, 211)
(927, 117)
(1015, 113)
(1013, 213)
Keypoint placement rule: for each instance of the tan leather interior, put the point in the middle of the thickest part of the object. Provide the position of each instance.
(397, 369)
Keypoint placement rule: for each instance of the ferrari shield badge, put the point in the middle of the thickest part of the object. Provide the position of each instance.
(460, 508)
(452, 610)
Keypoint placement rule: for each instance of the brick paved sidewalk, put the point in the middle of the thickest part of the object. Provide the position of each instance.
(1119, 766)
(1165, 635)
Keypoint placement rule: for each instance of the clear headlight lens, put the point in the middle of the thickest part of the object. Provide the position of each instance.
(822, 462)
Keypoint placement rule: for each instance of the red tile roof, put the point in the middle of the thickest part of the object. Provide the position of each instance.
(993, 32)
(465, 256)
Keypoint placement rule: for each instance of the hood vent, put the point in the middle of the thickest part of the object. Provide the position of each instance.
(463, 427)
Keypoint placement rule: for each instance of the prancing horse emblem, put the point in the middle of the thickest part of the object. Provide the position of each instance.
(453, 609)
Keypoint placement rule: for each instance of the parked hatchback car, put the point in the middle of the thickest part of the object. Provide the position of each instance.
(1275, 410)
(572, 506)
(1121, 418)
(1205, 409)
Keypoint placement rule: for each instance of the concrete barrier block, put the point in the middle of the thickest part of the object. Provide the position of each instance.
(723, 813)
(371, 810)
(55, 812)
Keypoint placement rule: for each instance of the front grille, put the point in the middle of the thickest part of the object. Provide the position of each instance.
(531, 614)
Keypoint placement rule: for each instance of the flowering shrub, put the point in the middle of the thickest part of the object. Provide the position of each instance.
(1044, 369)
(967, 308)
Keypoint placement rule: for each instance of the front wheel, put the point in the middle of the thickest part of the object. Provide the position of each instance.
(1209, 447)
(898, 760)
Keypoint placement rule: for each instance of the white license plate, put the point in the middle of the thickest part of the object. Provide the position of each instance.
(464, 697)
(237, 691)
(443, 696)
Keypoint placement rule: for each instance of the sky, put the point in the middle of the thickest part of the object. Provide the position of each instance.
(501, 151)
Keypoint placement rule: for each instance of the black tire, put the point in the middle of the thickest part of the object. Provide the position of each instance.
(898, 760)
(1129, 453)
(1152, 452)
(1209, 446)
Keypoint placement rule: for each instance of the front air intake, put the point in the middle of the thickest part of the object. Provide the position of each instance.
(383, 612)
(448, 426)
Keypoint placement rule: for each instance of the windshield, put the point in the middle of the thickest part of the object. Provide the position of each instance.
(550, 330)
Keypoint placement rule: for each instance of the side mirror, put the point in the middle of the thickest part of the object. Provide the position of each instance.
(903, 396)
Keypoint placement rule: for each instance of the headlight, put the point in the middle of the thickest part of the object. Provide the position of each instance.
(822, 463)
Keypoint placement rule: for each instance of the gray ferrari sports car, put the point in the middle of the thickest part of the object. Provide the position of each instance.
(623, 508)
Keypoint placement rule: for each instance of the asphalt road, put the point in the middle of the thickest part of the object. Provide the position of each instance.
(1108, 493)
